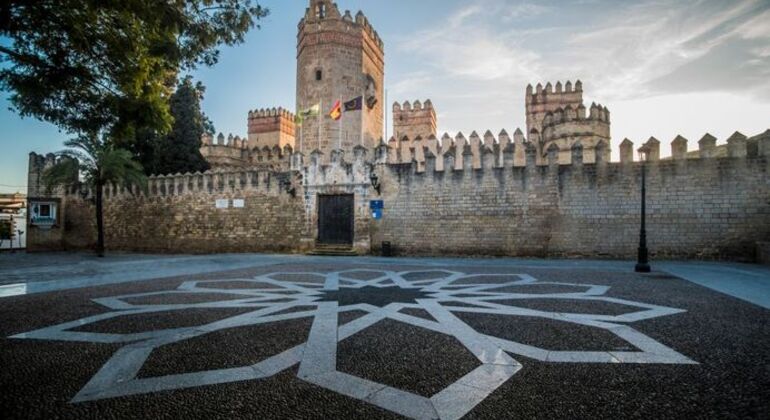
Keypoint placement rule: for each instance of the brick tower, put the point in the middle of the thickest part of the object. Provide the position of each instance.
(338, 57)
(413, 120)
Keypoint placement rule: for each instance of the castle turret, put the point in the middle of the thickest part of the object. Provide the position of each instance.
(339, 57)
(561, 118)
(271, 127)
(414, 120)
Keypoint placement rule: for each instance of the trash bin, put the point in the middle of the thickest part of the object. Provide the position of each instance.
(387, 250)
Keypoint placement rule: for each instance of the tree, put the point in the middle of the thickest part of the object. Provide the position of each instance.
(100, 164)
(179, 151)
(106, 68)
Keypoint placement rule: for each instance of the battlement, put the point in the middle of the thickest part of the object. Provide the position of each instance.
(234, 142)
(325, 15)
(236, 152)
(215, 181)
(597, 113)
(560, 94)
(271, 112)
(490, 151)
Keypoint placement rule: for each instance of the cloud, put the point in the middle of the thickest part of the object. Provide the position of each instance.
(476, 63)
(523, 11)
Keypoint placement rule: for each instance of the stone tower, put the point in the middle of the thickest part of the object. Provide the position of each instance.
(412, 120)
(557, 115)
(270, 128)
(339, 57)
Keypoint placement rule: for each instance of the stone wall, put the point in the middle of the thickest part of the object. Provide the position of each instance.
(234, 152)
(178, 214)
(453, 197)
(698, 208)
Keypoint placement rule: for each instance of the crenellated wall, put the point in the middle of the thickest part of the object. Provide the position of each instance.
(180, 214)
(233, 152)
(451, 197)
(697, 208)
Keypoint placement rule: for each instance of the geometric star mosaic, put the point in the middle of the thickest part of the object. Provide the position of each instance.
(443, 294)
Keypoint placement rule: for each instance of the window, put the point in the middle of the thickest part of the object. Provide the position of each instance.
(320, 11)
(319, 75)
(43, 214)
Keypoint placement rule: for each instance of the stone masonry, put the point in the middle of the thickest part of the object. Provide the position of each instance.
(551, 191)
(339, 58)
(698, 208)
(558, 116)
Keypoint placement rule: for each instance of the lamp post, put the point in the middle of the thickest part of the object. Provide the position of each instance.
(375, 182)
(642, 263)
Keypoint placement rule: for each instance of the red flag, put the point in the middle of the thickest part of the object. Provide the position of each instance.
(336, 112)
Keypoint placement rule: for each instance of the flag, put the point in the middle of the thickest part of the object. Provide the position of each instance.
(336, 112)
(313, 111)
(355, 104)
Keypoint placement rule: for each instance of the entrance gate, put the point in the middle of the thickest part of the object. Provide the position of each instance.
(335, 219)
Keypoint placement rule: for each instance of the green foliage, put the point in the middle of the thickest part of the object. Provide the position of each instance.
(179, 151)
(107, 67)
(98, 162)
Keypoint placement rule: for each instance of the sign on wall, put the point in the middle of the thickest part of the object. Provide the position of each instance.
(377, 207)
(222, 204)
(239, 203)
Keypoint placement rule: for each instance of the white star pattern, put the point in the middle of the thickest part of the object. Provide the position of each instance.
(285, 296)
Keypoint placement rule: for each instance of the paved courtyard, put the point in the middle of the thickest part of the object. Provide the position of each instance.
(258, 336)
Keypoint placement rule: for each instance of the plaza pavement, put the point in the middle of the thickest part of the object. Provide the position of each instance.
(271, 336)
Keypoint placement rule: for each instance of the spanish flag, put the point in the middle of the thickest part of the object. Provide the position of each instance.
(336, 112)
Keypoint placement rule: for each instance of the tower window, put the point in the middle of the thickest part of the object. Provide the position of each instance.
(320, 11)
(319, 75)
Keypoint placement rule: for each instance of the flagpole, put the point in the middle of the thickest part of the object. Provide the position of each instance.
(385, 105)
(363, 94)
(320, 111)
(339, 135)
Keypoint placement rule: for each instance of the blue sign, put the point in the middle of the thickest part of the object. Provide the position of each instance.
(377, 214)
(377, 204)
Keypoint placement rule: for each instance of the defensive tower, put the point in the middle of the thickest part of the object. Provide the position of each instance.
(557, 115)
(414, 120)
(339, 57)
(270, 128)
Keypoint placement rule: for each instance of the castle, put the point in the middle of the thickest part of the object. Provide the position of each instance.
(301, 181)
(341, 57)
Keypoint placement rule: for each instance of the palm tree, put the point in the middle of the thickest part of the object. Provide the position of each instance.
(100, 164)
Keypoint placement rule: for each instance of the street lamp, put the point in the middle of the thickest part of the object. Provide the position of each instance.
(375, 180)
(642, 263)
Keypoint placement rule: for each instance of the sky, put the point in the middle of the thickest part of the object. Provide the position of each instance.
(663, 67)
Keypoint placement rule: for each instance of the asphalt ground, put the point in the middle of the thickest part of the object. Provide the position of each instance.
(727, 338)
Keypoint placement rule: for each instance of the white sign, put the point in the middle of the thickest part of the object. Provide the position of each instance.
(239, 204)
(223, 204)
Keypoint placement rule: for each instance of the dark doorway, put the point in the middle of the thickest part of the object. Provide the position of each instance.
(335, 219)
